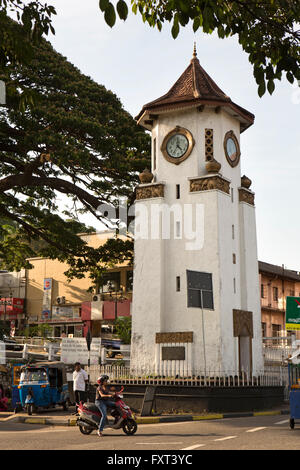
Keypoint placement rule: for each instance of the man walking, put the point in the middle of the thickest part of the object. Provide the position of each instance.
(80, 379)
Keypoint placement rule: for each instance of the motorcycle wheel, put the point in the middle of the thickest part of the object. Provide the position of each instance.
(85, 430)
(30, 409)
(129, 427)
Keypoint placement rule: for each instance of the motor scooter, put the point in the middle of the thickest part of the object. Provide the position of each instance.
(89, 416)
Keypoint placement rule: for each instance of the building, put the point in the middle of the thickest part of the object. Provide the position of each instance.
(68, 307)
(12, 299)
(276, 283)
(196, 304)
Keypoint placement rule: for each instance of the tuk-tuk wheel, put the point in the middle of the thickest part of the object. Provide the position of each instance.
(30, 409)
(292, 423)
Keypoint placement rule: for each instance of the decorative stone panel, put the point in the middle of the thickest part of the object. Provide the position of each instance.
(178, 337)
(242, 319)
(246, 196)
(149, 191)
(210, 182)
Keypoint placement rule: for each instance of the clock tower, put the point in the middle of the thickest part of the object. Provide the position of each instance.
(196, 303)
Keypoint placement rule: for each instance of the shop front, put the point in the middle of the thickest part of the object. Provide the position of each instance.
(12, 313)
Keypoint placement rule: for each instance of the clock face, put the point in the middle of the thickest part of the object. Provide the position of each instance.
(177, 145)
(232, 148)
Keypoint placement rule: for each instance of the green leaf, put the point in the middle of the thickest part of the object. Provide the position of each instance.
(103, 4)
(196, 24)
(175, 27)
(110, 15)
(271, 86)
(261, 89)
(122, 9)
(290, 77)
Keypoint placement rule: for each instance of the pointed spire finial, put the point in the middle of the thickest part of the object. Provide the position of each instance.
(195, 51)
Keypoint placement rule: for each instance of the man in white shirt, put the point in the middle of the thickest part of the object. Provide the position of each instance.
(80, 379)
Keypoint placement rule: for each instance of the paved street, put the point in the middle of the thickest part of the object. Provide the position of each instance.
(251, 433)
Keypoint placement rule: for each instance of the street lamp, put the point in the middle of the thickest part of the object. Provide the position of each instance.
(117, 298)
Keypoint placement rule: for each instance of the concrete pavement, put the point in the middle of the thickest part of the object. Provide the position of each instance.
(58, 417)
(263, 432)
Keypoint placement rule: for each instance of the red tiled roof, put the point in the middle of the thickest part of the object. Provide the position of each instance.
(195, 86)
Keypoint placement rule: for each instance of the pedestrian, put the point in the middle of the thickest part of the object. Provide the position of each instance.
(80, 379)
(103, 401)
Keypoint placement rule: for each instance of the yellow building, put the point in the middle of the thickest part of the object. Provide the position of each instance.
(68, 306)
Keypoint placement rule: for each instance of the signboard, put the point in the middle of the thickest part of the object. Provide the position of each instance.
(47, 299)
(66, 312)
(2, 353)
(75, 350)
(12, 307)
(292, 314)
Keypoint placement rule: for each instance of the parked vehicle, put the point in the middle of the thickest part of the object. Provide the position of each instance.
(11, 344)
(90, 416)
(43, 385)
(111, 345)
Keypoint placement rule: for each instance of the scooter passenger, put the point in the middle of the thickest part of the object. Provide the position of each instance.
(103, 401)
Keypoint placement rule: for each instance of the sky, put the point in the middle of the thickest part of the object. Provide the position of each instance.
(139, 64)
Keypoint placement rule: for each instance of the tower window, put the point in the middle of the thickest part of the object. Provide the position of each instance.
(177, 191)
(234, 258)
(200, 290)
(232, 198)
(234, 285)
(177, 283)
(154, 153)
(232, 232)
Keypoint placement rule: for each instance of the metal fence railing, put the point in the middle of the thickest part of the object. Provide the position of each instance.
(269, 376)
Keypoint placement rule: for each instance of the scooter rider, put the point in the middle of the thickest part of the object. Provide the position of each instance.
(103, 396)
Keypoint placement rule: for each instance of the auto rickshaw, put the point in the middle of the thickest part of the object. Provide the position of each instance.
(294, 386)
(43, 385)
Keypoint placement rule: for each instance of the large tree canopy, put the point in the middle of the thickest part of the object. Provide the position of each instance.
(78, 142)
(268, 30)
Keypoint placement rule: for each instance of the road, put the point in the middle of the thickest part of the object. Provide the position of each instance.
(250, 433)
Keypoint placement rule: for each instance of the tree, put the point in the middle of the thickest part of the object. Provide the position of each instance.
(75, 141)
(35, 18)
(266, 29)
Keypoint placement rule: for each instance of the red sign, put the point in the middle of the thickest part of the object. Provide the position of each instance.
(11, 305)
(123, 309)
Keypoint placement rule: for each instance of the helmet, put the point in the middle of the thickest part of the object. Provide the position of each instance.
(102, 379)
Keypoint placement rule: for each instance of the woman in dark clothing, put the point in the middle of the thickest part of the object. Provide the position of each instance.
(103, 396)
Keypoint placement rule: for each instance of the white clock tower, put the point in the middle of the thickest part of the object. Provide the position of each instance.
(196, 303)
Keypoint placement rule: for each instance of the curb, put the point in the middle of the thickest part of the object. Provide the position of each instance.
(151, 419)
(170, 419)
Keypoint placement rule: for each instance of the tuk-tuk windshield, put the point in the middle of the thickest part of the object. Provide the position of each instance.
(33, 375)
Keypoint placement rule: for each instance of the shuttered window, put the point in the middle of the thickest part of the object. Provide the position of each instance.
(199, 287)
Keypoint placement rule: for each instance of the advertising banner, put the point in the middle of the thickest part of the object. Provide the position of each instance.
(66, 312)
(47, 299)
(292, 314)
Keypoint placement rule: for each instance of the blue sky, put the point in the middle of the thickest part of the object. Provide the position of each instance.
(140, 64)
